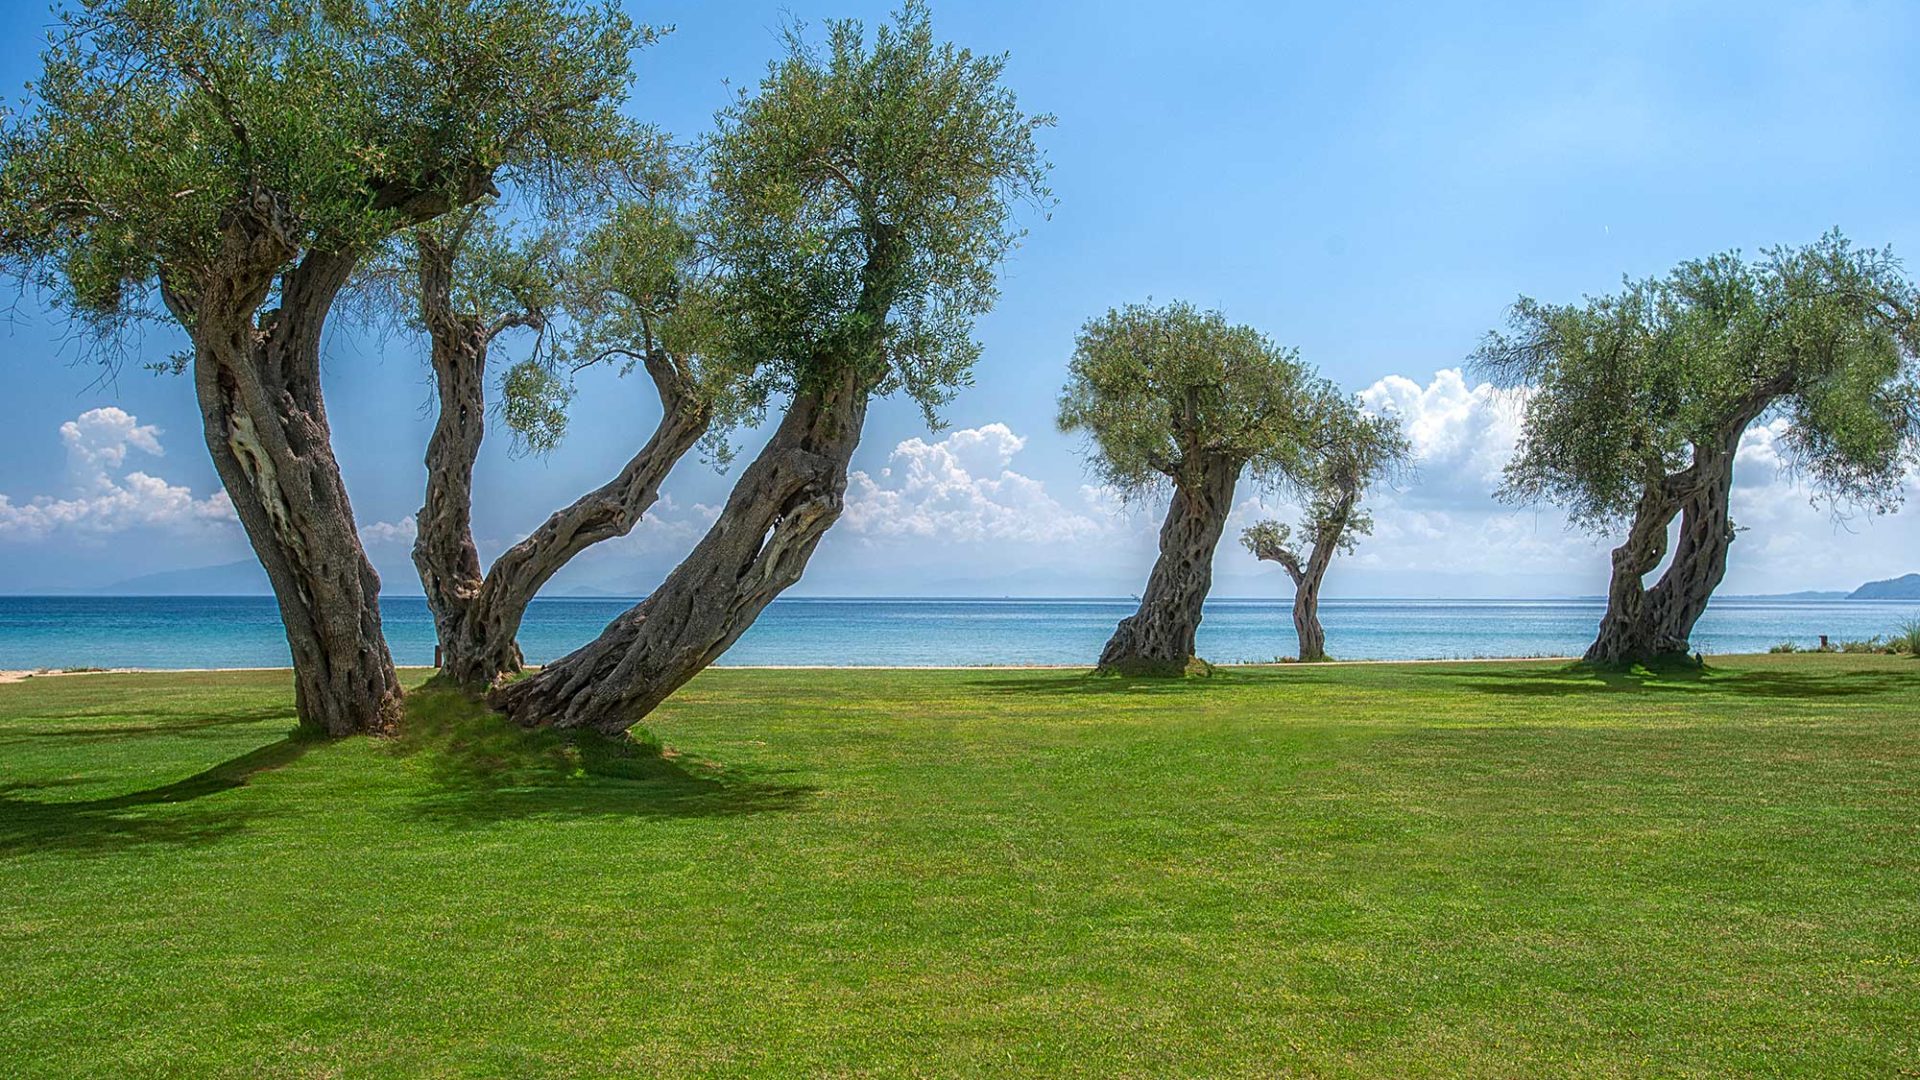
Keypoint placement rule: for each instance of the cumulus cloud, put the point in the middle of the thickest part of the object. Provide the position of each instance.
(1443, 518)
(1462, 435)
(961, 488)
(105, 499)
(390, 532)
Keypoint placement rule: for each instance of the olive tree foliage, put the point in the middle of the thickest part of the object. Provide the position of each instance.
(225, 165)
(1635, 404)
(857, 203)
(1351, 452)
(1175, 399)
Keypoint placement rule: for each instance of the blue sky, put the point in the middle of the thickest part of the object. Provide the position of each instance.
(1373, 183)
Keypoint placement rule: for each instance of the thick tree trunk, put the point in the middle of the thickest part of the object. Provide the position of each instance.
(266, 427)
(782, 505)
(443, 549)
(1158, 639)
(1626, 630)
(477, 615)
(784, 502)
(1653, 625)
(488, 649)
(1677, 601)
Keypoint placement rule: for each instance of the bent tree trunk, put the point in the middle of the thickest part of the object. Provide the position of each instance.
(443, 549)
(1648, 625)
(477, 616)
(1306, 595)
(1158, 639)
(1680, 597)
(1626, 630)
(784, 502)
(266, 426)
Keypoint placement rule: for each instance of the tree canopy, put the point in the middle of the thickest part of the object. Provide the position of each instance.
(157, 122)
(1351, 452)
(1157, 388)
(890, 171)
(1626, 389)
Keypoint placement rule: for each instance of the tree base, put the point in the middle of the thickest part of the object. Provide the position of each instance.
(1660, 663)
(1149, 668)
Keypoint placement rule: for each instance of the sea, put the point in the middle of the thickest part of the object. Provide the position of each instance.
(244, 631)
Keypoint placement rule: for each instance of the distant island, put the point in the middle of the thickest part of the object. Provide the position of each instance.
(1906, 587)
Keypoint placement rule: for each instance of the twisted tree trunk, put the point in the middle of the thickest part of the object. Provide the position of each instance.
(784, 502)
(477, 616)
(1677, 601)
(443, 549)
(1158, 638)
(1652, 625)
(258, 386)
(1626, 630)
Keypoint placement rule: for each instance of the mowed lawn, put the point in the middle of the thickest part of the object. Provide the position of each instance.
(1481, 869)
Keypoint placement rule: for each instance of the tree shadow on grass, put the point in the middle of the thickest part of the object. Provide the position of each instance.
(482, 769)
(131, 726)
(1091, 685)
(1589, 679)
(28, 826)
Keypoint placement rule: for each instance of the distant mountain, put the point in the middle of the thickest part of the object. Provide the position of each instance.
(1808, 594)
(595, 592)
(243, 578)
(1900, 588)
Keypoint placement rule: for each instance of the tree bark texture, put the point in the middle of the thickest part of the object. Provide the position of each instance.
(1158, 638)
(258, 385)
(783, 504)
(1626, 630)
(1645, 625)
(477, 615)
(1699, 560)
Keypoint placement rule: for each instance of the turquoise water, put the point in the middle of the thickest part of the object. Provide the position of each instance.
(168, 632)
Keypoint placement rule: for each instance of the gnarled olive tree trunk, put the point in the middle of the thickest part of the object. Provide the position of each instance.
(1677, 601)
(784, 502)
(1626, 630)
(477, 615)
(1158, 638)
(258, 385)
(1645, 625)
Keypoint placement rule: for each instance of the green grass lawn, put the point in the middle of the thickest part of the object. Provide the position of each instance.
(1490, 869)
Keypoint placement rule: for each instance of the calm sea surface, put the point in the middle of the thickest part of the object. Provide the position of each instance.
(167, 632)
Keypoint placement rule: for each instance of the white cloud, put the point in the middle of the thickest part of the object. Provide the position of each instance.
(390, 532)
(1462, 436)
(1441, 521)
(960, 488)
(103, 499)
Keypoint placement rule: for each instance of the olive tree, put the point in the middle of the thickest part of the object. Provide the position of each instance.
(628, 293)
(1349, 453)
(1636, 403)
(225, 165)
(1177, 399)
(859, 201)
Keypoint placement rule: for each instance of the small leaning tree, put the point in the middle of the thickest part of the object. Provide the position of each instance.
(859, 203)
(1637, 404)
(1350, 453)
(1174, 398)
(225, 165)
